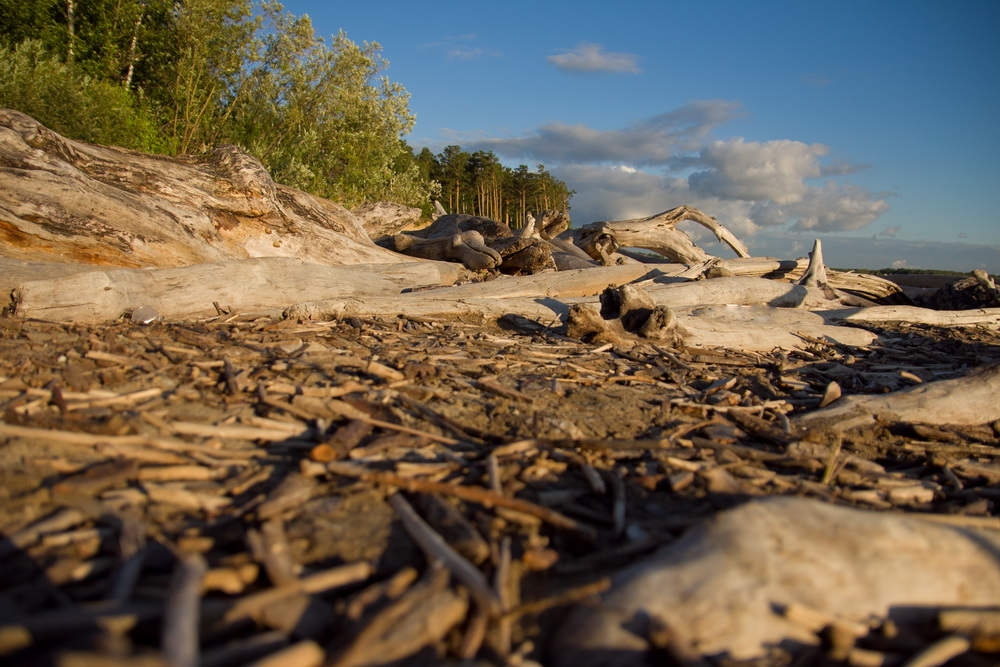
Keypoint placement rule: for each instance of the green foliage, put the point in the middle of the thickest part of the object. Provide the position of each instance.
(478, 184)
(323, 117)
(74, 104)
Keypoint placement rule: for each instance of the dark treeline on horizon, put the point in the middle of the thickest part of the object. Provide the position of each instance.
(477, 184)
(184, 76)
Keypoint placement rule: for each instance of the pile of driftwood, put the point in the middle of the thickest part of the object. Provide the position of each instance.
(235, 430)
(361, 491)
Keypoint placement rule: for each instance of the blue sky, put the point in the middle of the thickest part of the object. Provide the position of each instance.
(872, 125)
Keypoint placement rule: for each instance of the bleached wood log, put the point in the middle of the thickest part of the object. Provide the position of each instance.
(815, 274)
(71, 202)
(970, 399)
(761, 328)
(915, 315)
(738, 290)
(722, 587)
(249, 285)
(988, 284)
(659, 234)
(384, 218)
(467, 247)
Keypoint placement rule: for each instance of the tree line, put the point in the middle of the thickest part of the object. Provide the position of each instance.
(478, 184)
(184, 76)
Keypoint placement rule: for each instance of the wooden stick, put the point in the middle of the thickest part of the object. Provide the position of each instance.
(471, 493)
(434, 546)
(566, 597)
(306, 653)
(180, 619)
(941, 652)
(320, 582)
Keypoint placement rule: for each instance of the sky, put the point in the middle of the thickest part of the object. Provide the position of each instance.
(872, 125)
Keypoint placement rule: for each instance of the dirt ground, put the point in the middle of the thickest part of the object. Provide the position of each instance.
(283, 463)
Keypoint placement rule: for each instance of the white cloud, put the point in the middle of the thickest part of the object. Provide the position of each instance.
(890, 232)
(899, 264)
(827, 208)
(587, 57)
(659, 140)
(773, 170)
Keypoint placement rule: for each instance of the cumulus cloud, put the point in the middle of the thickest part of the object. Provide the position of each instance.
(890, 232)
(827, 208)
(587, 57)
(660, 140)
(773, 170)
(899, 264)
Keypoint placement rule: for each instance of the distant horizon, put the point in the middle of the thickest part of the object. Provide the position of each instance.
(759, 115)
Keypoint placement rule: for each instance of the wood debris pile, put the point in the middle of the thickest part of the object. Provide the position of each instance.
(362, 491)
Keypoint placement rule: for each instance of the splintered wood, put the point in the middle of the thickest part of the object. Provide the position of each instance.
(361, 491)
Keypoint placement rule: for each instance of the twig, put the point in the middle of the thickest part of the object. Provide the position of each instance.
(940, 652)
(470, 493)
(566, 597)
(336, 577)
(180, 619)
(306, 653)
(434, 546)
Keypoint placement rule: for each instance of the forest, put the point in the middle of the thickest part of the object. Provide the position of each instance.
(184, 76)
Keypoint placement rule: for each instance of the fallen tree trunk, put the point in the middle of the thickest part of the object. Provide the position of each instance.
(915, 315)
(970, 399)
(67, 201)
(266, 283)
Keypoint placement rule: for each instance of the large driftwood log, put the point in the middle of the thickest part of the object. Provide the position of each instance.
(385, 218)
(730, 586)
(657, 233)
(480, 243)
(970, 399)
(250, 285)
(553, 299)
(71, 202)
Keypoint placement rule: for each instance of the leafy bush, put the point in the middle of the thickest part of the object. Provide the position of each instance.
(38, 83)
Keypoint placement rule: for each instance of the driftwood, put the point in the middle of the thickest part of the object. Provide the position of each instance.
(780, 571)
(657, 233)
(482, 243)
(250, 285)
(971, 399)
(277, 451)
(67, 201)
(381, 219)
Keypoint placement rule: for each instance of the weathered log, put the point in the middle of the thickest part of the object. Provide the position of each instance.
(726, 586)
(970, 399)
(739, 290)
(815, 274)
(759, 328)
(250, 285)
(659, 234)
(524, 255)
(385, 218)
(480, 243)
(915, 315)
(467, 247)
(71, 202)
